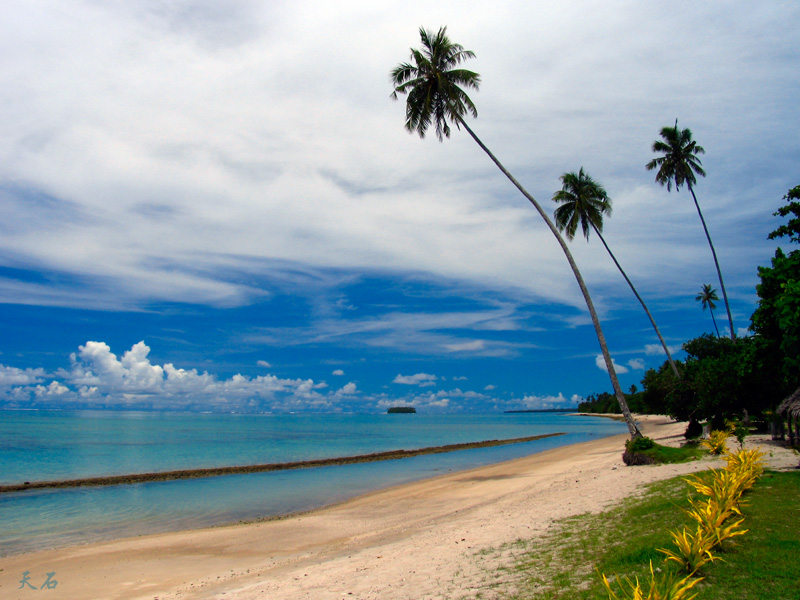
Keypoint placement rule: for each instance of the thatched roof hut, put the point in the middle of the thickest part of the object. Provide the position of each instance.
(791, 405)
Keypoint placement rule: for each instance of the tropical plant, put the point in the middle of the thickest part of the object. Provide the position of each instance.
(715, 443)
(433, 85)
(678, 166)
(692, 549)
(584, 201)
(713, 520)
(665, 585)
(708, 297)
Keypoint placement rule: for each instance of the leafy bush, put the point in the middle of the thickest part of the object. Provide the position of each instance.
(639, 444)
(716, 442)
(665, 585)
(692, 550)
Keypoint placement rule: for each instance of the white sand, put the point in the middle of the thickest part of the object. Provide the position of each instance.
(425, 540)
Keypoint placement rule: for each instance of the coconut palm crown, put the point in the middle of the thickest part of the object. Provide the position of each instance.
(582, 201)
(707, 297)
(434, 84)
(679, 162)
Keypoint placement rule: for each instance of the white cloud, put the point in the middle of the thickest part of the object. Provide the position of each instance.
(11, 376)
(420, 379)
(547, 402)
(116, 111)
(338, 372)
(658, 349)
(637, 364)
(489, 388)
(348, 389)
(601, 364)
(263, 363)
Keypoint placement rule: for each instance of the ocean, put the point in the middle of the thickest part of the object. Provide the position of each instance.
(58, 445)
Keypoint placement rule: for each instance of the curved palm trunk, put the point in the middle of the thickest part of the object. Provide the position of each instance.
(623, 404)
(711, 310)
(716, 263)
(639, 298)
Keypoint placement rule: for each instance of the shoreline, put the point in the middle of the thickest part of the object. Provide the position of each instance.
(437, 538)
(262, 468)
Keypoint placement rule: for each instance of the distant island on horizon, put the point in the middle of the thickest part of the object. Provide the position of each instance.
(401, 410)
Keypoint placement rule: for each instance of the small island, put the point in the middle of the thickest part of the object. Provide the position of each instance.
(401, 410)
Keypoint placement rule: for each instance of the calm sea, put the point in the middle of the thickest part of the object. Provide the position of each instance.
(48, 445)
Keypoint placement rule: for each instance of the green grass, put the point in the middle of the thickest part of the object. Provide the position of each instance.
(668, 454)
(763, 564)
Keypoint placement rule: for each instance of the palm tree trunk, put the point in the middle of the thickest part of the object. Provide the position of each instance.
(711, 310)
(716, 263)
(623, 404)
(639, 298)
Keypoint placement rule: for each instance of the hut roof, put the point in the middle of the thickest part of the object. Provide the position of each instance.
(791, 405)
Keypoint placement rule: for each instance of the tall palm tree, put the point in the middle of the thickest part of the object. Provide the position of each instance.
(433, 84)
(678, 166)
(708, 297)
(584, 201)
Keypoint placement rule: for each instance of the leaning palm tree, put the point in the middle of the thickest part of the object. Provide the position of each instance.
(708, 297)
(678, 166)
(583, 202)
(435, 95)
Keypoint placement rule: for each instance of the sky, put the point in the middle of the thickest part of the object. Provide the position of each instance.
(214, 205)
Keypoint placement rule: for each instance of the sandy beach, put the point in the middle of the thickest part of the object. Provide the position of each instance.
(425, 540)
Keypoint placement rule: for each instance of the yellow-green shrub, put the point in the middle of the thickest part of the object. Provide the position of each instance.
(662, 586)
(692, 550)
(716, 442)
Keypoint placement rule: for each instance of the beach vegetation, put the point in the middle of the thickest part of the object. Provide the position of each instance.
(656, 454)
(583, 201)
(679, 164)
(435, 85)
(761, 565)
(716, 442)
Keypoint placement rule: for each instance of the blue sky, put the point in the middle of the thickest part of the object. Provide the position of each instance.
(215, 205)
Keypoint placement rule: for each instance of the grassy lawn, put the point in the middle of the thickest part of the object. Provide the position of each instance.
(762, 564)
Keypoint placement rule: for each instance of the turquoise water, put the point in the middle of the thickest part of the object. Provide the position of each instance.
(46, 445)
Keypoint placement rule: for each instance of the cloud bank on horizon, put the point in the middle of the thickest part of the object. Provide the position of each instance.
(203, 158)
(97, 378)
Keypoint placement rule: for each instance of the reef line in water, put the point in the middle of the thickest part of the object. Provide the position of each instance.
(303, 464)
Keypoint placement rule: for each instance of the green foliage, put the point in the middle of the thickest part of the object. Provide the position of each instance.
(659, 455)
(664, 585)
(716, 442)
(792, 228)
(777, 318)
(639, 444)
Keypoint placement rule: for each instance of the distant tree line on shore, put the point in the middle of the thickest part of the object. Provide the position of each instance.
(726, 378)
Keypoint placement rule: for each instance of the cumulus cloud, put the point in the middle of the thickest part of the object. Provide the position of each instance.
(97, 376)
(601, 364)
(348, 389)
(637, 364)
(265, 364)
(11, 376)
(338, 372)
(420, 379)
(547, 402)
